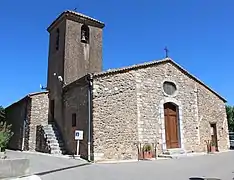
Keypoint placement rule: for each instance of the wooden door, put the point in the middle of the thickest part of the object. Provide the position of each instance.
(171, 126)
(214, 135)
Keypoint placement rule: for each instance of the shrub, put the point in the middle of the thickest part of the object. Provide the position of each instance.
(2, 114)
(147, 148)
(5, 135)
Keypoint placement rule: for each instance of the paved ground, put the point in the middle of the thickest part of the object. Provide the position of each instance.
(42, 163)
(218, 165)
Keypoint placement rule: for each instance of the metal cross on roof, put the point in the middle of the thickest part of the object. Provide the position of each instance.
(166, 50)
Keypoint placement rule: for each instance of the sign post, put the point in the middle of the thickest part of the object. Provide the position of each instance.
(78, 137)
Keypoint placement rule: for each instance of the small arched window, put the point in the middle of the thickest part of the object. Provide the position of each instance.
(57, 39)
(84, 33)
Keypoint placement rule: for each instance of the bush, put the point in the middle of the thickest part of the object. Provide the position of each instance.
(2, 114)
(147, 148)
(5, 135)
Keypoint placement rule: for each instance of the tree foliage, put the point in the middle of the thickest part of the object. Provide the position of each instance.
(5, 130)
(2, 114)
(5, 135)
(230, 117)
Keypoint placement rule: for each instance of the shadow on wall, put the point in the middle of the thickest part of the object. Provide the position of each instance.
(41, 140)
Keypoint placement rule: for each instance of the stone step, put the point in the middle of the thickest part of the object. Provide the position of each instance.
(57, 152)
(56, 141)
(174, 151)
(51, 136)
(49, 129)
(56, 144)
(56, 148)
(52, 133)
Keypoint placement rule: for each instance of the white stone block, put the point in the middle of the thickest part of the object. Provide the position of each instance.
(98, 156)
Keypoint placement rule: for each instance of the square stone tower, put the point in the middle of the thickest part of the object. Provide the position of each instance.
(75, 49)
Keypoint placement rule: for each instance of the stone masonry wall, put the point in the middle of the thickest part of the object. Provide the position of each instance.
(76, 102)
(39, 116)
(128, 107)
(80, 58)
(115, 132)
(152, 98)
(212, 110)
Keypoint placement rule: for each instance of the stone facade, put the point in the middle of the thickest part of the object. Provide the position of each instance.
(25, 115)
(128, 108)
(39, 116)
(212, 110)
(72, 59)
(115, 126)
(76, 102)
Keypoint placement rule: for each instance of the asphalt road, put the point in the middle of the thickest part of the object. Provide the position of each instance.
(41, 163)
(216, 166)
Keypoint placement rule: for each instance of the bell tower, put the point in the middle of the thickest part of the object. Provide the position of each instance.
(75, 46)
(75, 49)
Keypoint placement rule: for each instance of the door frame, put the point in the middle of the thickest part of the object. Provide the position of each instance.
(167, 126)
(213, 125)
(162, 121)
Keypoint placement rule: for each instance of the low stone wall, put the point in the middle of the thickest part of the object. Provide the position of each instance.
(10, 168)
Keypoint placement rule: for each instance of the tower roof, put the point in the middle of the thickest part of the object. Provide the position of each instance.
(76, 16)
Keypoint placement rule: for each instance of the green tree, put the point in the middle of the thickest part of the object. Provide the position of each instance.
(230, 117)
(5, 135)
(5, 130)
(2, 114)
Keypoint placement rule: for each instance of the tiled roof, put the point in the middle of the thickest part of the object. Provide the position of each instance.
(84, 16)
(73, 13)
(153, 63)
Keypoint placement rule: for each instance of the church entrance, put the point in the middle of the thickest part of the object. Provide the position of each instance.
(171, 126)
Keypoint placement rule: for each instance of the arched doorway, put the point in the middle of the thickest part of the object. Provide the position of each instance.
(172, 130)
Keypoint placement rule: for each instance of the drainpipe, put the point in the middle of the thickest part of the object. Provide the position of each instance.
(89, 115)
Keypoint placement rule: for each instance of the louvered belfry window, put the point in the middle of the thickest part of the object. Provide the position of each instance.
(169, 88)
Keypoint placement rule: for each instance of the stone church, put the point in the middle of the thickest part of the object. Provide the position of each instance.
(156, 102)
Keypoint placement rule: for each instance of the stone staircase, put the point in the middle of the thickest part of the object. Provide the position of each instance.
(54, 139)
(173, 153)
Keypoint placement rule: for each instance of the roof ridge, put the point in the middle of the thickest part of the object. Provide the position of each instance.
(109, 71)
(83, 15)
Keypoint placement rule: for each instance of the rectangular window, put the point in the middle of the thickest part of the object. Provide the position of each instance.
(52, 109)
(57, 40)
(73, 119)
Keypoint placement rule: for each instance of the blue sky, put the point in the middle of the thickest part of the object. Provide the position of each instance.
(198, 33)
